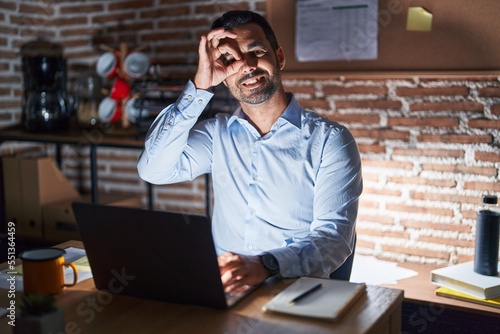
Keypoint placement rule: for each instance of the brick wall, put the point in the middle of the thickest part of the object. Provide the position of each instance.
(429, 142)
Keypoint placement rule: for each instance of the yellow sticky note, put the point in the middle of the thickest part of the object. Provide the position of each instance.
(419, 19)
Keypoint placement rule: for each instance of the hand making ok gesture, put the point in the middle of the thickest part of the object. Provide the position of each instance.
(218, 58)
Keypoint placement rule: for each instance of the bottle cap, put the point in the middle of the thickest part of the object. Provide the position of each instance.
(490, 199)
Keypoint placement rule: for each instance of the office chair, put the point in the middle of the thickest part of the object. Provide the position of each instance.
(344, 271)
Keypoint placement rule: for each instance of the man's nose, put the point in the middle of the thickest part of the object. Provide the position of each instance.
(249, 64)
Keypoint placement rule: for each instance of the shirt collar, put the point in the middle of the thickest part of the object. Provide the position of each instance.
(292, 113)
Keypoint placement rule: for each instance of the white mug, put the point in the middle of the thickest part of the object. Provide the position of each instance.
(110, 110)
(107, 64)
(134, 113)
(136, 64)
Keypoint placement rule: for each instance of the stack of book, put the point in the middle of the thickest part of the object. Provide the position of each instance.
(463, 283)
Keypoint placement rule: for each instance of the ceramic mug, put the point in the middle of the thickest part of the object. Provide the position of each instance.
(110, 110)
(136, 64)
(134, 113)
(43, 270)
(120, 89)
(107, 65)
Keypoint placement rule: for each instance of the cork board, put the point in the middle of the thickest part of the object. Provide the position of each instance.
(465, 36)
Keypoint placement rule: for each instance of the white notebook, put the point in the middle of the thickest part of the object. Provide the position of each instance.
(330, 301)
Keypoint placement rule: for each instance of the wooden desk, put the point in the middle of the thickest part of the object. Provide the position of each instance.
(425, 312)
(91, 311)
(420, 289)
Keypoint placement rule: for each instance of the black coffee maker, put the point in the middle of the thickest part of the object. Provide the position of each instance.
(47, 105)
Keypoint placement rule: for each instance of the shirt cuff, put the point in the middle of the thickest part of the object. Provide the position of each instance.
(192, 101)
(288, 261)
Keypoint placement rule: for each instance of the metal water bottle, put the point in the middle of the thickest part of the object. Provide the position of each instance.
(487, 237)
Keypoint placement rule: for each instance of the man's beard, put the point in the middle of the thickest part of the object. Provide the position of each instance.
(260, 94)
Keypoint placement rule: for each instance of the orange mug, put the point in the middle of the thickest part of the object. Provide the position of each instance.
(43, 270)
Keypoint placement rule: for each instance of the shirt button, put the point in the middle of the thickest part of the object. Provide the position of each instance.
(255, 177)
(250, 246)
(190, 97)
(200, 101)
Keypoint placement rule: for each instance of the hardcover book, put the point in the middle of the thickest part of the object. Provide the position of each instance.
(450, 293)
(463, 278)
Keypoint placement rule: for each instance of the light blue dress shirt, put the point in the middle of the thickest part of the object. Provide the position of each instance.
(292, 192)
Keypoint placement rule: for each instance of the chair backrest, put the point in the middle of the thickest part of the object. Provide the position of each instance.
(344, 271)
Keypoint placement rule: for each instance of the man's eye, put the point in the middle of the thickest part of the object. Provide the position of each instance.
(259, 53)
(227, 59)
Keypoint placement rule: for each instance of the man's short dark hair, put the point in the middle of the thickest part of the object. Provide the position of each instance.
(235, 18)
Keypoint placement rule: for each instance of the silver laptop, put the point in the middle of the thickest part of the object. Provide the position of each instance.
(152, 254)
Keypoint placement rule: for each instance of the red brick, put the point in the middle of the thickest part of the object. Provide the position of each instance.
(438, 122)
(355, 90)
(495, 109)
(221, 7)
(484, 123)
(446, 241)
(398, 207)
(487, 156)
(415, 224)
(8, 5)
(438, 197)
(83, 32)
(315, 104)
(311, 90)
(429, 152)
(367, 176)
(422, 181)
(489, 92)
(171, 12)
(388, 164)
(416, 252)
(381, 134)
(41, 9)
(386, 220)
(9, 104)
(377, 233)
(130, 4)
(447, 106)
(371, 148)
(367, 204)
(155, 36)
(81, 8)
(7, 30)
(470, 214)
(383, 192)
(461, 258)
(366, 119)
(132, 27)
(368, 104)
(460, 169)
(112, 18)
(360, 243)
(456, 139)
(482, 186)
(184, 23)
(432, 91)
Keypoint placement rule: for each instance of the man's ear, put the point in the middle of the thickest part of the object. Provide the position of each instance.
(280, 56)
